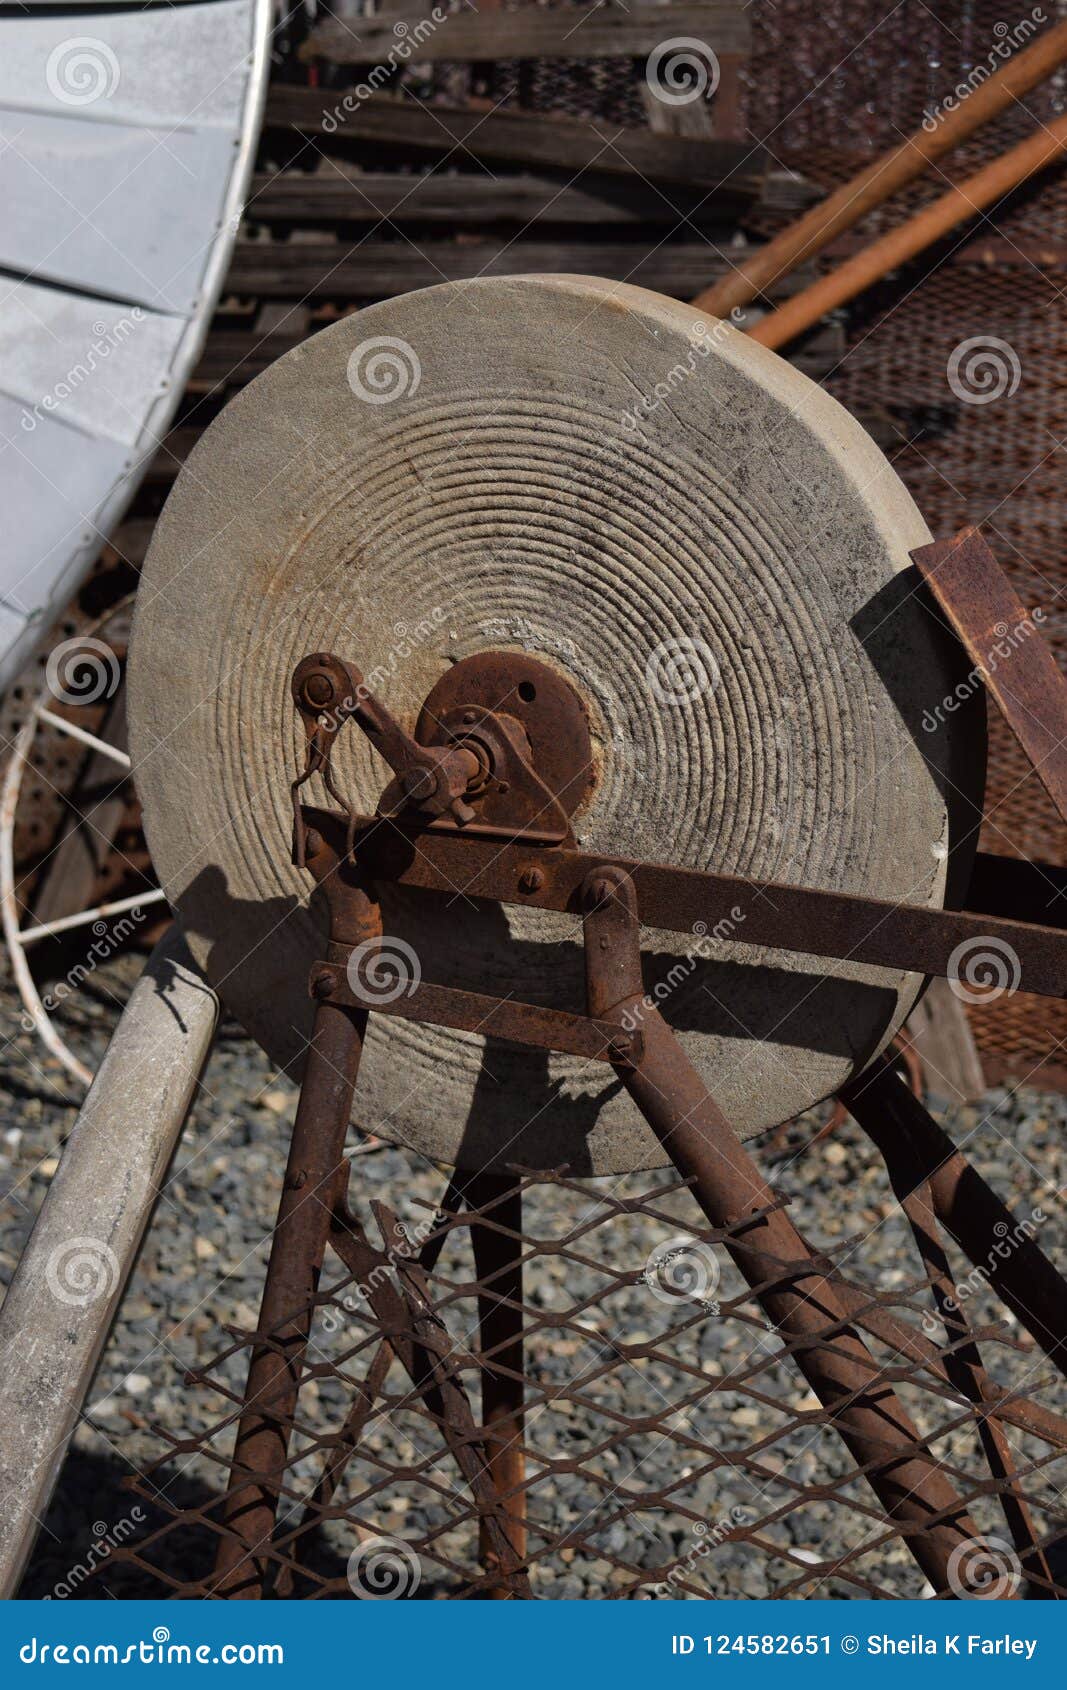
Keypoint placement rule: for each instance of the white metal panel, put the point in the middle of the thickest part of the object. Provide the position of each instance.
(89, 384)
(164, 66)
(118, 210)
(88, 363)
(54, 482)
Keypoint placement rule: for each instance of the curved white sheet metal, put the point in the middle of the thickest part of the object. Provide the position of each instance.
(126, 144)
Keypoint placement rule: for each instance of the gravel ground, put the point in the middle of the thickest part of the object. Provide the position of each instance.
(203, 1266)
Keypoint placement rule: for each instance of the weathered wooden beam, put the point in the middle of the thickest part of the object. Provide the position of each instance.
(336, 195)
(73, 1271)
(732, 171)
(536, 32)
(374, 269)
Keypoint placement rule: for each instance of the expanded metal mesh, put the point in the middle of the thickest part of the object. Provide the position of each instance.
(672, 1448)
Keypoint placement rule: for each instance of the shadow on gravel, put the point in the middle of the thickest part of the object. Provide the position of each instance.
(93, 1518)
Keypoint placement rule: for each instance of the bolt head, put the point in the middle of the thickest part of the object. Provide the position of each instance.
(531, 880)
(323, 985)
(318, 689)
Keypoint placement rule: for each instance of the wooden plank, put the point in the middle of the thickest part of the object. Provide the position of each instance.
(941, 1037)
(336, 195)
(731, 170)
(535, 32)
(381, 269)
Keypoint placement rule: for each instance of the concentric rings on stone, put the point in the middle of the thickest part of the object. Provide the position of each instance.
(708, 547)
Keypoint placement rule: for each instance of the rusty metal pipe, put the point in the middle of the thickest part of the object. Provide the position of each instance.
(793, 1290)
(296, 1256)
(984, 1228)
(498, 1269)
(913, 236)
(964, 1365)
(889, 173)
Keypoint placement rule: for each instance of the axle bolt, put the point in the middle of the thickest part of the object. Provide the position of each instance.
(318, 689)
(469, 718)
(531, 880)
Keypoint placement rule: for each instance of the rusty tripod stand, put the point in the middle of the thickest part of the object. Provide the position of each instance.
(489, 807)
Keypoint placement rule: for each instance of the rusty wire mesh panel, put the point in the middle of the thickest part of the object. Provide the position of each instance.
(672, 1448)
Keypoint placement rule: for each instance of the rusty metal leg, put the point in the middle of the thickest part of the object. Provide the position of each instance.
(303, 1227)
(498, 1268)
(964, 1366)
(794, 1290)
(985, 1229)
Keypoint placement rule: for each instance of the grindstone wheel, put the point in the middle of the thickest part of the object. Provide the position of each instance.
(701, 541)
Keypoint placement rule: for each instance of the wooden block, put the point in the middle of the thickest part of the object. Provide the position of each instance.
(941, 1035)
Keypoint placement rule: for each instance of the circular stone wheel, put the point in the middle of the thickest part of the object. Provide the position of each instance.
(703, 541)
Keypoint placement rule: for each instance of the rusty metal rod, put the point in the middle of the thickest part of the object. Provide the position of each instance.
(803, 1303)
(1003, 1404)
(498, 1270)
(889, 173)
(999, 1245)
(963, 1358)
(913, 236)
(297, 1250)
